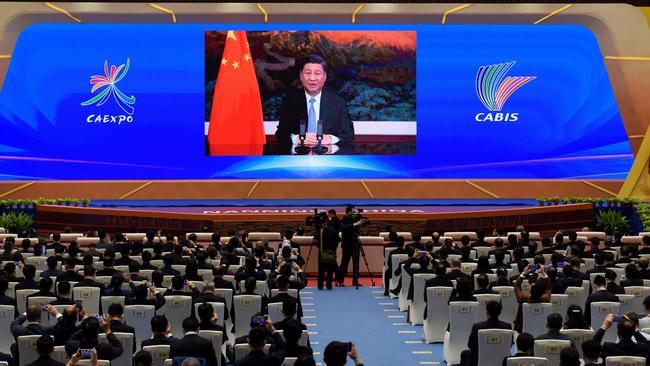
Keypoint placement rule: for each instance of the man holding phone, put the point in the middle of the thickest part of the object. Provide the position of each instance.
(336, 354)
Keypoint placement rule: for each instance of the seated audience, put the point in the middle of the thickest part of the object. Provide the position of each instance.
(192, 345)
(524, 345)
(160, 329)
(492, 312)
(553, 327)
(575, 319)
(336, 354)
(569, 357)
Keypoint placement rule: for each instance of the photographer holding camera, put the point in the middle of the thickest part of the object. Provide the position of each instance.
(350, 225)
(327, 242)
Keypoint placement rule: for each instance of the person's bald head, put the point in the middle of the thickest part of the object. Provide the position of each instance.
(70, 313)
(33, 313)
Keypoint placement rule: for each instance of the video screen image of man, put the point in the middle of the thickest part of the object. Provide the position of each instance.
(313, 120)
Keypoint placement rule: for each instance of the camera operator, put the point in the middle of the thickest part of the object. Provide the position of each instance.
(327, 242)
(350, 225)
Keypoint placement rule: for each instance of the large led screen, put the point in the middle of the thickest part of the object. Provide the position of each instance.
(113, 101)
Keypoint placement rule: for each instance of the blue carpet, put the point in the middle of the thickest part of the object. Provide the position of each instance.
(316, 202)
(360, 316)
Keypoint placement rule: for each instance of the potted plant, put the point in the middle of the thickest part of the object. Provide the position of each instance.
(85, 202)
(611, 221)
(60, 201)
(555, 200)
(68, 201)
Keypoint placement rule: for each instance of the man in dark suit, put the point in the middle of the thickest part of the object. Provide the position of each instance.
(44, 347)
(600, 294)
(159, 328)
(350, 225)
(256, 342)
(192, 345)
(311, 104)
(208, 295)
(33, 326)
(89, 280)
(553, 326)
(625, 329)
(29, 271)
(219, 281)
(4, 299)
(108, 269)
(51, 270)
(591, 352)
(524, 343)
(399, 242)
(88, 337)
(289, 312)
(283, 294)
(66, 325)
(492, 310)
(63, 292)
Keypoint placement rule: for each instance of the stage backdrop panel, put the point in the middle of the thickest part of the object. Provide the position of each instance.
(116, 101)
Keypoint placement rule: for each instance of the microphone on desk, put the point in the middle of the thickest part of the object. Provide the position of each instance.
(302, 149)
(319, 149)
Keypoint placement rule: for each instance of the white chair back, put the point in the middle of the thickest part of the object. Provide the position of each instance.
(158, 353)
(11, 290)
(526, 361)
(7, 313)
(416, 309)
(404, 302)
(534, 317)
(21, 299)
(289, 361)
(462, 315)
(89, 297)
(578, 336)
(139, 317)
(126, 339)
(216, 338)
(559, 303)
(227, 294)
(99, 363)
(624, 361)
(437, 313)
(626, 303)
(39, 262)
(550, 349)
(261, 287)
(59, 354)
(387, 251)
(483, 299)
(108, 300)
(242, 350)
(245, 307)
(493, 346)
(176, 309)
(576, 296)
(599, 311)
(275, 311)
(395, 261)
(219, 309)
(640, 293)
(27, 349)
(491, 277)
(508, 303)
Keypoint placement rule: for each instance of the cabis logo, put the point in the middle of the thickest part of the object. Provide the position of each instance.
(493, 91)
(109, 81)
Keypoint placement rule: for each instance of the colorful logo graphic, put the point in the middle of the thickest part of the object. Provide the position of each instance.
(491, 87)
(109, 80)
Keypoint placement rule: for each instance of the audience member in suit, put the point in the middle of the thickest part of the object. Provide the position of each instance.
(208, 295)
(108, 269)
(625, 255)
(283, 294)
(4, 299)
(612, 287)
(44, 287)
(125, 258)
(115, 286)
(399, 242)
(558, 285)
(116, 320)
(146, 261)
(192, 273)
(439, 281)
(29, 271)
(465, 253)
(66, 325)
(553, 326)
(218, 280)
(569, 356)
(632, 276)
(32, 327)
(289, 312)
(250, 269)
(482, 281)
(134, 273)
(539, 292)
(525, 343)
(256, 341)
(63, 294)
(51, 270)
(92, 251)
(69, 274)
(575, 319)
(292, 332)
(104, 241)
(643, 263)
(140, 296)
(336, 354)
(168, 270)
(480, 242)
(208, 320)
(502, 278)
(492, 310)
(455, 272)
(591, 353)
(483, 266)
(44, 347)
(177, 288)
(462, 292)
(599, 267)
(600, 294)
(626, 346)
(159, 328)
(88, 337)
(192, 345)
(89, 280)
(426, 262)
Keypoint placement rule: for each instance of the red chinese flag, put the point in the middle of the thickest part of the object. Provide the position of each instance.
(236, 123)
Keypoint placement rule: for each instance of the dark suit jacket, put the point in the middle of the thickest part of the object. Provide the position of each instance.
(259, 358)
(194, 346)
(597, 297)
(62, 330)
(159, 341)
(333, 113)
(623, 348)
(472, 343)
(105, 351)
(282, 296)
(45, 361)
(18, 329)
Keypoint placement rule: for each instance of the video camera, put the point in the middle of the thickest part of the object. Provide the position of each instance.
(317, 220)
(359, 217)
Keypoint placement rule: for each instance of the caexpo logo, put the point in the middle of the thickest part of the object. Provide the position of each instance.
(493, 89)
(108, 82)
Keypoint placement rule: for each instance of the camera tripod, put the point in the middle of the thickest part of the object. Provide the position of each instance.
(356, 252)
